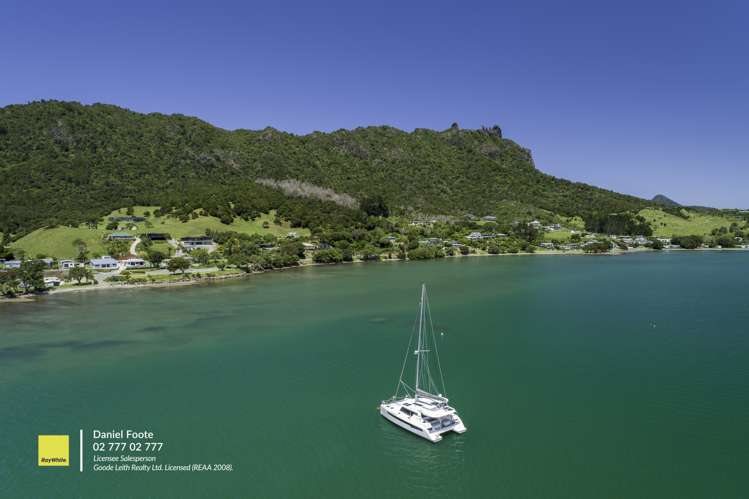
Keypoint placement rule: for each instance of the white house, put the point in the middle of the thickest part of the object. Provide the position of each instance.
(66, 264)
(195, 242)
(104, 263)
(474, 236)
(134, 263)
(52, 282)
(13, 264)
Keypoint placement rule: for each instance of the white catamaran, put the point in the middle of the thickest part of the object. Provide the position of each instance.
(419, 410)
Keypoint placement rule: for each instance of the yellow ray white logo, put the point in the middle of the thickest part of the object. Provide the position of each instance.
(54, 450)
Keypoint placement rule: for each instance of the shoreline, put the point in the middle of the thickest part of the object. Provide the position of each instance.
(33, 298)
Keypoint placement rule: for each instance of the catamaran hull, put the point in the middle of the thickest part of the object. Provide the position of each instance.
(433, 437)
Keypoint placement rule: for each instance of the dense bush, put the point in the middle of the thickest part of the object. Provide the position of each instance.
(64, 163)
(328, 256)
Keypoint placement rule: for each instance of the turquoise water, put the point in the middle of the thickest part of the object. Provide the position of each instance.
(576, 376)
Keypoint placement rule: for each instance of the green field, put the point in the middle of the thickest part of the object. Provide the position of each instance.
(58, 241)
(558, 235)
(667, 225)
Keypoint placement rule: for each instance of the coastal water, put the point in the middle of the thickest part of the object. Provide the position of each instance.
(580, 377)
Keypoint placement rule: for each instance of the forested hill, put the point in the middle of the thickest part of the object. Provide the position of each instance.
(66, 163)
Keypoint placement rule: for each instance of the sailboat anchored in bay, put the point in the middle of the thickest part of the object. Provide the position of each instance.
(423, 410)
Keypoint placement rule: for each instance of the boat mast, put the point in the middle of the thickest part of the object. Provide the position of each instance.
(418, 342)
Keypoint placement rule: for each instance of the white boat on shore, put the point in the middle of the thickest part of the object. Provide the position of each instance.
(423, 410)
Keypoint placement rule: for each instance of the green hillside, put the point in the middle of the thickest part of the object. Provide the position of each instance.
(58, 241)
(64, 163)
(690, 222)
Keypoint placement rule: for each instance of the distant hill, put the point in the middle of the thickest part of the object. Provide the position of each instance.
(665, 201)
(67, 163)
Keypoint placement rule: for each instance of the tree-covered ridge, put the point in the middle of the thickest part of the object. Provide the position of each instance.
(67, 163)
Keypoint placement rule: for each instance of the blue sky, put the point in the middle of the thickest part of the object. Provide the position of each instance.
(642, 98)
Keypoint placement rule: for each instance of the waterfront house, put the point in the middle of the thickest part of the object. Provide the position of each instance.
(134, 263)
(66, 264)
(104, 263)
(666, 242)
(547, 245)
(156, 236)
(120, 236)
(52, 282)
(13, 264)
(193, 242)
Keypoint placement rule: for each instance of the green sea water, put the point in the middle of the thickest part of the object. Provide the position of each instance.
(579, 377)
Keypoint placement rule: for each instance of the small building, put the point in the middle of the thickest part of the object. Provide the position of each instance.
(292, 235)
(156, 236)
(104, 263)
(66, 264)
(309, 246)
(13, 264)
(474, 236)
(127, 218)
(194, 242)
(489, 218)
(120, 236)
(52, 282)
(432, 241)
(134, 263)
(547, 245)
(535, 224)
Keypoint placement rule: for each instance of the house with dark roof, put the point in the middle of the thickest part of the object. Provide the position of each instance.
(120, 236)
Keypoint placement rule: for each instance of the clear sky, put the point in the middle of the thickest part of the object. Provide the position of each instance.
(642, 98)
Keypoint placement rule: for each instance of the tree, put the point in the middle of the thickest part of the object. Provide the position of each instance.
(31, 275)
(201, 256)
(81, 273)
(9, 283)
(292, 248)
(178, 264)
(369, 253)
(597, 247)
(155, 256)
(331, 255)
(118, 249)
(82, 249)
(375, 206)
(688, 242)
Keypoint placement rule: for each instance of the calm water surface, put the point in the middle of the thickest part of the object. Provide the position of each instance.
(577, 377)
